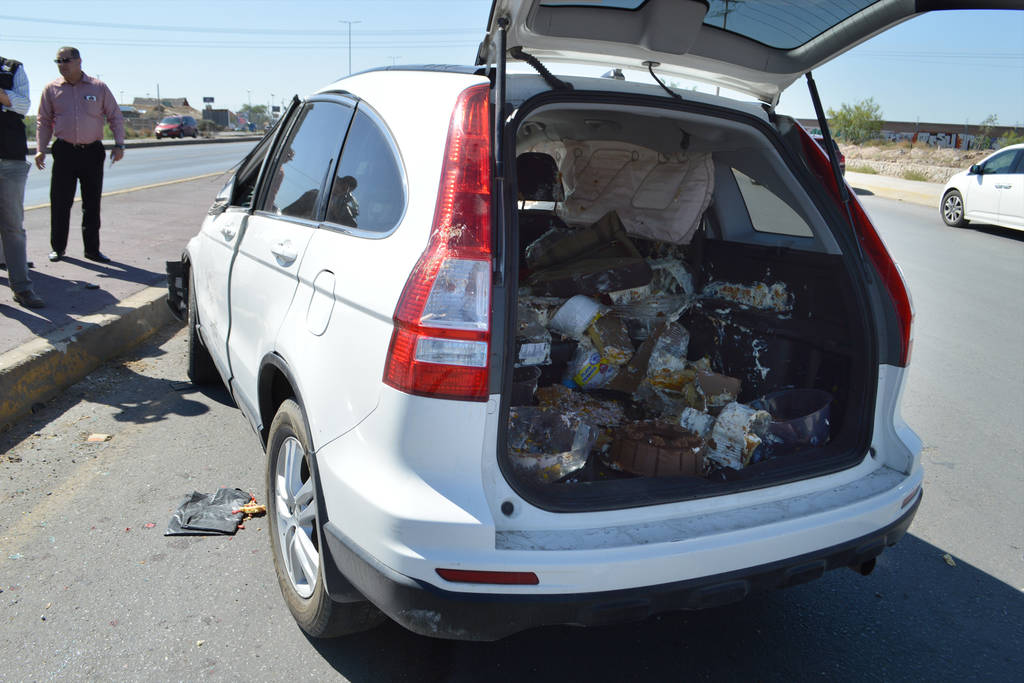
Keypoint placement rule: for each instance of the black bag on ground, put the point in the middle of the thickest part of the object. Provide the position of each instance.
(208, 514)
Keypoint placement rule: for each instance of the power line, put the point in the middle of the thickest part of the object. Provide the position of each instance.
(237, 31)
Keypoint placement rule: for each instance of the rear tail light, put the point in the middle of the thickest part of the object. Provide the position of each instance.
(873, 246)
(440, 344)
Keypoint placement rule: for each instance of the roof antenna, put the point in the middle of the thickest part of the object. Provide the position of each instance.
(650, 67)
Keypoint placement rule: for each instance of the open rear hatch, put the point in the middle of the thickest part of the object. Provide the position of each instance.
(687, 321)
(689, 312)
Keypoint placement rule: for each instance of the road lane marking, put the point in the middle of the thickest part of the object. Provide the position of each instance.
(140, 187)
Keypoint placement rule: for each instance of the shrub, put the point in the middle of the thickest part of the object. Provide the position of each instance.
(915, 175)
(862, 168)
(857, 123)
(1010, 138)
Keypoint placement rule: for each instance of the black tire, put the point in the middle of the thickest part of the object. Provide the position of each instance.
(295, 533)
(201, 369)
(952, 209)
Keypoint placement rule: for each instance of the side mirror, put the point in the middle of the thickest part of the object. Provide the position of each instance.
(976, 169)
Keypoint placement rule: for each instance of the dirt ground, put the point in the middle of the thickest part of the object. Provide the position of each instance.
(934, 164)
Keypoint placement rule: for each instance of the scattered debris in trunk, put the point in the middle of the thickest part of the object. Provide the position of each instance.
(603, 375)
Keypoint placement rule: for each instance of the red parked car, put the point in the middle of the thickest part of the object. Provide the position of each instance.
(176, 127)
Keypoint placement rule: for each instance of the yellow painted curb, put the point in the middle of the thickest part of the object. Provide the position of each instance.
(140, 187)
(42, 368)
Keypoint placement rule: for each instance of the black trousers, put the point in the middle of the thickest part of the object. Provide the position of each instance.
(74, 164)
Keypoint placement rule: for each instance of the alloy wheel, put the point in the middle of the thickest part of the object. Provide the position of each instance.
(953, 208)
(295, 508)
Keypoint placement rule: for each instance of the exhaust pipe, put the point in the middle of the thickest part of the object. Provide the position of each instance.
(864, 568)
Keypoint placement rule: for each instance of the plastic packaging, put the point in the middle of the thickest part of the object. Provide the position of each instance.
(610, 338)
(737, 434)
(588, 370)
(575, 316)
(546, 445)
(800, 417)
(667, 365)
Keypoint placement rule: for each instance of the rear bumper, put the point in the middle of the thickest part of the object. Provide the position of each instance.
(432, 611)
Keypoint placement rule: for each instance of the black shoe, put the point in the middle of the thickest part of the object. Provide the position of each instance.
(96, 256)
(29, 299)
(56, 256)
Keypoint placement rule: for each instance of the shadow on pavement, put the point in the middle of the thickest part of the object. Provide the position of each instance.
(65, 297)
(996, 231)
(860, 191)
(915, 618)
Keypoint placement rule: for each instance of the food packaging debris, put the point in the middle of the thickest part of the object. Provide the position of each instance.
(591, 277)
(698, 422)
(672, 276)
(99, 438)
(774, 297)
(625, 297)
(800, 417)
(604, 413)
(667, 366)
(949, 559)
(545, 445)
(737, 434)
(587, 369)
(605, 238)
(610, 338)
(532, 353)
(661, 403)
(718, 390)
(643, 317)
(628, 379)
(524, 384)
(208, 513)
(575, 316)
(533, 341)
(657, 449)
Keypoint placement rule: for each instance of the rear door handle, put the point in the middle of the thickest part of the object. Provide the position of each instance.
(228, 233)
(285, 252)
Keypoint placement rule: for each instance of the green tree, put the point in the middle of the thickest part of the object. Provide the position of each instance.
(256, 113)
(1009, 138)
(983, 140)
(856, 123)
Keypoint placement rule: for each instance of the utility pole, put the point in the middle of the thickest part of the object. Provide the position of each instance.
(122, 97)
(343, 21)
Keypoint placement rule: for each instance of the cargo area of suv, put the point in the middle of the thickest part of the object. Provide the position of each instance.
(685, 321)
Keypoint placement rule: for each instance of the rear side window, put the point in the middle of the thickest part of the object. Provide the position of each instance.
(1001, 163)
(769, 212)
(368, 191)
(304, 160)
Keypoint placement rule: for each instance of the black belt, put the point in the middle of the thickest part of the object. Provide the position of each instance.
(80, 146)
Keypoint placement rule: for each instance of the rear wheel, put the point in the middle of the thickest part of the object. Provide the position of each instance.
(295, 535)
(953, 209)
(201, 369)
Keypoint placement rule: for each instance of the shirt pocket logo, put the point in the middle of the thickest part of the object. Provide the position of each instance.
(90, 98)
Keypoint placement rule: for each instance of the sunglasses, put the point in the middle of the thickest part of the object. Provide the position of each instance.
(64, 60)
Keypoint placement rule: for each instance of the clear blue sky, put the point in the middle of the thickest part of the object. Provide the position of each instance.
(941, 67)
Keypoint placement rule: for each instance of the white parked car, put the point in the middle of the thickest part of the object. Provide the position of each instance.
(990, 192)
(531, 368)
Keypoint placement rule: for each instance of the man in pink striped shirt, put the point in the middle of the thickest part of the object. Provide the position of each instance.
(74, 108)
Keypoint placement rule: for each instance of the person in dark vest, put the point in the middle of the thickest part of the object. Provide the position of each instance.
(73, 108)
(14, 102)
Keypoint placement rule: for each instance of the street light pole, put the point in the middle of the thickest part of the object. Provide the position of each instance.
(342, 21)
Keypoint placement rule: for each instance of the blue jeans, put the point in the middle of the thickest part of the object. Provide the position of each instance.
(13, 174)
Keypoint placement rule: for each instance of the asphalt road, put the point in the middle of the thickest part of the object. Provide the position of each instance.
(89, 592)
(148, 165)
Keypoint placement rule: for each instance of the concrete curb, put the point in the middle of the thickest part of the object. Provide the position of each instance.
(40, 369)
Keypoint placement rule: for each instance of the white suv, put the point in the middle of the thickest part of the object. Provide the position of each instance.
(519, 369)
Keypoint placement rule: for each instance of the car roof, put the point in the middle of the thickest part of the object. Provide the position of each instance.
(757, 48)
